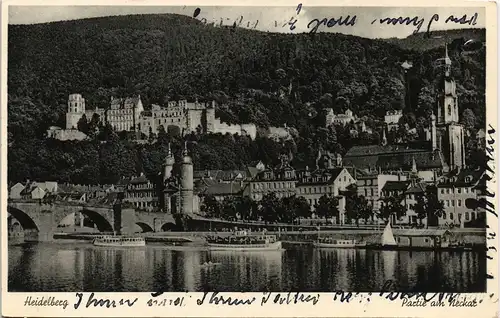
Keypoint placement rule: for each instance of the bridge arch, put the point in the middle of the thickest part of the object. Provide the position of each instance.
(145, 227)
(26, 222)
(169, 226)
(102, 224)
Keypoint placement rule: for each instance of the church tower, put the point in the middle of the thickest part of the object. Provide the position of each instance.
(449, 133)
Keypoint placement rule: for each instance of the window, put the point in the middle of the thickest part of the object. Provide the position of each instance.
(473, 215)
(459, 202)
(466, 190)
(442, 191)
(459, 190)
(451, 216)
(366, 192)
(447, 191)
(444, 216)
(466, 216)
(453, 203)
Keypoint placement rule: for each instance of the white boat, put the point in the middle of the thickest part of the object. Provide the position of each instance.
(241, 241)
(119, 241)
(388, 237)
(334, 243)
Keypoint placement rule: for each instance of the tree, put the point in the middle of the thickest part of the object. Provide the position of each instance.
(83, 125)
(357, 207)
(428, 206)
(469, 119)
(302, 207)
(435, 207)
(244, 207)
(392, 206)
(229, 209)
(421, 207)
(269, 207)
(211, 207)
(162, 136)
(327, 207)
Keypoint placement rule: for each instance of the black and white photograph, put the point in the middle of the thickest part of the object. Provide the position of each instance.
(247, 149)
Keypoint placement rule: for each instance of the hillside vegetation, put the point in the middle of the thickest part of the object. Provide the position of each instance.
(265, 78)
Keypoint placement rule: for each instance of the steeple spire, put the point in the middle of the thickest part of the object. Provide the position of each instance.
(413, 165)
(169, 153)
(384, 138)
(447, 61)
(185, 151)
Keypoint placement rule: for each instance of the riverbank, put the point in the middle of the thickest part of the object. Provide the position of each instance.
(469, 237)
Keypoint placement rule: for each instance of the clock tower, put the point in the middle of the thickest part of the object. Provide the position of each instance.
(449, 132)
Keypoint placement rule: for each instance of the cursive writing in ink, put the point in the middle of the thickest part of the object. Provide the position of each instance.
(221, 300)
(416, 21)
(97, 302)
(289, 298)
(463, 20)
(329, 23)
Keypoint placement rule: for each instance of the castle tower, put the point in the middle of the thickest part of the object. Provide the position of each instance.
(186, 183)
(169, 164)
(210, 118)
(449, 133)
(76, 109)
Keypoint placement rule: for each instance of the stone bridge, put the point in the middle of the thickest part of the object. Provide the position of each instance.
(43, 218)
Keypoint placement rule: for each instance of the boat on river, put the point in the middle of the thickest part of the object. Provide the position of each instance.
(119, 241)
(242, 241)
(329, 242)
(334, 243)
(388, 240)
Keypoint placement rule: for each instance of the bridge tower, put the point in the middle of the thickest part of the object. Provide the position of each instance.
(186, 183)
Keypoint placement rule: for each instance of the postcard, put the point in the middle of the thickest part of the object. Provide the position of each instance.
(288, 159)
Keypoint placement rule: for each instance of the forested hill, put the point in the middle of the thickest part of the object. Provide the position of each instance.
(424, 41)
(264, 78)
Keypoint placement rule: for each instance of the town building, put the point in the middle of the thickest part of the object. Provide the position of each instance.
(142, 193)
(15, 191)
(219, 190)
(329, 178)
(454, 190)
(339, 119)
(370, 185)
(392, 118)
(280, 180)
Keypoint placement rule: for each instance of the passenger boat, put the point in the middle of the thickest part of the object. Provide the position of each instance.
(119, 241)
(334, 243)
(242, 241)
(329, 242)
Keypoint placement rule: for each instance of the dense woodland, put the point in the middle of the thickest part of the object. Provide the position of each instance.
(265, 78)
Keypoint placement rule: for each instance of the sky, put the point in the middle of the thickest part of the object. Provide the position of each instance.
(366, 24)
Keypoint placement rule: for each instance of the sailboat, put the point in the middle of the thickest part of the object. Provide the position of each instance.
(388, 237)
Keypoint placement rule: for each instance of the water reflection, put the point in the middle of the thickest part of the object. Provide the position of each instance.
(83, 267)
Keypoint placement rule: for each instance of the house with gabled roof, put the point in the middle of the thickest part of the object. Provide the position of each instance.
(455, 190)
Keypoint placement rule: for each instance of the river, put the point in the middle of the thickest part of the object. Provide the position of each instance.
(65, 267)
